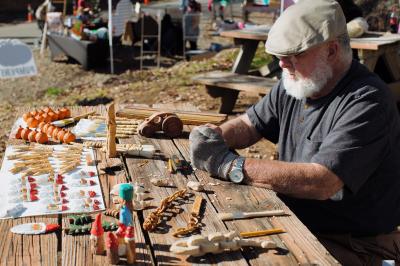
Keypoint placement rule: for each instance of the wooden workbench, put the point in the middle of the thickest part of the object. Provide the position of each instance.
(297, 246)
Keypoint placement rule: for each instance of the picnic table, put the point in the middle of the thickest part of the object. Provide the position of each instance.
(297, 246)
(378, 51)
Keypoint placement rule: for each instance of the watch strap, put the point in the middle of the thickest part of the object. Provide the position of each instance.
(237, 165)
(226, 165)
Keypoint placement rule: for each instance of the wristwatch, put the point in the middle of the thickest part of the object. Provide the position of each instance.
(236, 174)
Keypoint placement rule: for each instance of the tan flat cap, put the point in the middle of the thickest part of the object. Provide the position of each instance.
(304, 25)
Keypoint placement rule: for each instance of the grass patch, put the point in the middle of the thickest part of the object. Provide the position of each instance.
(53, 91)
(261, 58)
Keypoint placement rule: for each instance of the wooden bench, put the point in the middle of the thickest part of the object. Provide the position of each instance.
(227, 85)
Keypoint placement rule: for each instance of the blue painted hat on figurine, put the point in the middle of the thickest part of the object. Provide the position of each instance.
(126, 191)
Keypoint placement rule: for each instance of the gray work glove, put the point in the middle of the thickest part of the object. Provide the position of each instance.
(209, 152)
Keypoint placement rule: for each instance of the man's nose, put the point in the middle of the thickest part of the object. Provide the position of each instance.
(286, 62)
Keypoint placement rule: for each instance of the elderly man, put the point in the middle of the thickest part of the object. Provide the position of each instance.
(338, 133)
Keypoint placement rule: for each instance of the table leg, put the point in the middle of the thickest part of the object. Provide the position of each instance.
(368, 58)
(392, 62)
(241, 66)
(245, 56)
(228, 98)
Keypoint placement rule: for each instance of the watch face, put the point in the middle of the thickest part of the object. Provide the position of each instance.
(236, 176)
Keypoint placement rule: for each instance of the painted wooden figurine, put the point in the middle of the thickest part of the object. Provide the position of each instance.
(124, 239)
(97, 236)
(130, 245)
(112, 248)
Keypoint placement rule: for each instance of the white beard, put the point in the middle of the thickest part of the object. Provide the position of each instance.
(301, 88)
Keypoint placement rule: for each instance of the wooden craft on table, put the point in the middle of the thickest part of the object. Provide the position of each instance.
(160, 182)
(97, 237)
(226, 216)
(195, 185)
(168, 123)
(187, 117)
(112, 248)
(47, 115)
(262, 232)
(33, 161)
(154, 218)
(82, 224)
(123, 242)
(111, 132)
(193, 224)
(216, 243)
(112, 212)
(67, 121)
(136, 203)
(120, 120)
(142, 150)
(36, 179)
(125, 233)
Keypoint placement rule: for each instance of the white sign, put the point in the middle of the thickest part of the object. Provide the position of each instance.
(16, 59)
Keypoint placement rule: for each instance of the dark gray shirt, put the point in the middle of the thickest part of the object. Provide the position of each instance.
(355, 132)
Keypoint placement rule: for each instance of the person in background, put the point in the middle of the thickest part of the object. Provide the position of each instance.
(217, 8)
(338, 133)
(191, 10)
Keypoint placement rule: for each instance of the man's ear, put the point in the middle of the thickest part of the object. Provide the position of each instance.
(333, 50)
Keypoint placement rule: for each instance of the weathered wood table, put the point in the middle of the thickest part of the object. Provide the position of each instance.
(297, 246)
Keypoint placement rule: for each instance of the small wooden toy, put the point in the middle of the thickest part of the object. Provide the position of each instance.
(112, 212)
(130, 245)
(193, 224)
(216, 243)
(34, 228)
(112, 248)
(169, 123)
(85, 228)
(97, 236)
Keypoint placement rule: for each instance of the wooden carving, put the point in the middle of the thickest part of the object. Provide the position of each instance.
(215, 243)
(111, 132)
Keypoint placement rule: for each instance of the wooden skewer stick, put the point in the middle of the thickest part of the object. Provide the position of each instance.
(31, 163)
(225, 216)
(67, 169)
(262, 232)
(67, 164)
(73, 151)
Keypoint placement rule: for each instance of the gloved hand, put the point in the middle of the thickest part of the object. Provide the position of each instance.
(209, 152)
